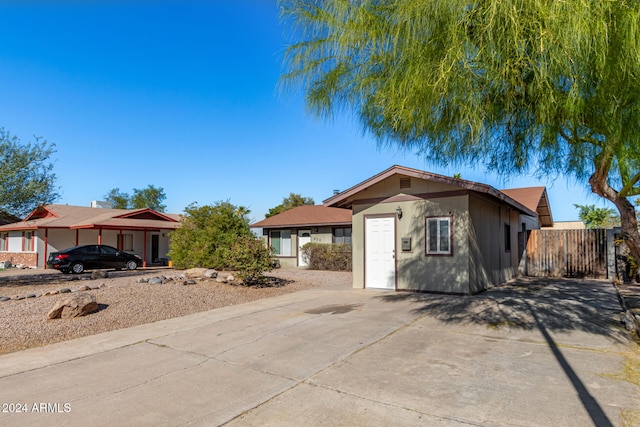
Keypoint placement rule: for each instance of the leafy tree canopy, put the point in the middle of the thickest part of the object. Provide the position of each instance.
(26, 174)
(597, 217)
(552, 86)
(207, 233)
(150, 197)
(290, 202)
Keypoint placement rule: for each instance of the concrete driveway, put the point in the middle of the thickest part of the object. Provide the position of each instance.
(535, 353)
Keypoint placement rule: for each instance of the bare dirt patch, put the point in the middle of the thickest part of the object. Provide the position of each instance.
(124, 301)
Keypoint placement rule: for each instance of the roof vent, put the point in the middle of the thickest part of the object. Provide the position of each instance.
(405, 183)
(336, 192)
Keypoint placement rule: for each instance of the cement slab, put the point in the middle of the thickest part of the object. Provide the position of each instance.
(533, 353)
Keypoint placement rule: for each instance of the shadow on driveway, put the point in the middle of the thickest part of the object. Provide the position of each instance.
(549, 305)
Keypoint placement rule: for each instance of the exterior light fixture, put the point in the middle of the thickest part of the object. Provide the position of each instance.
(399, 212)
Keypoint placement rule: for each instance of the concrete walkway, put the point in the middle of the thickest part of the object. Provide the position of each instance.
(534, 353)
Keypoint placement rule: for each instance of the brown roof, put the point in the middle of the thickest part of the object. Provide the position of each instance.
(307, 216)
(344, 199)
(73, 217)
(535, 198)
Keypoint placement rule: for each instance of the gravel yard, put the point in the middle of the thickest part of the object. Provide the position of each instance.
(124, 301)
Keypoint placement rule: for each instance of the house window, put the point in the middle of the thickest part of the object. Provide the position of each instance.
(439, 236)
(125, 242)
(507, 238)
(3, 242)
(281, 242)
(28, 241)
(342, 235)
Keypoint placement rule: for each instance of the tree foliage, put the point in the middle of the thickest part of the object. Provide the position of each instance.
(514, 85)
(26, 174)
(207, 234)
(597, 217)
(150, 197)
(290, 202)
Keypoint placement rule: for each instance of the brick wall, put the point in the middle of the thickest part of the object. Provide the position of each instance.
(28, 259)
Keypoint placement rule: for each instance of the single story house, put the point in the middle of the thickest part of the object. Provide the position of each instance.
(288, 231)
(418, 231)
(50, 228)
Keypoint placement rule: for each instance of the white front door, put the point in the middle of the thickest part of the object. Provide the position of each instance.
(379, 253)
(304, 237)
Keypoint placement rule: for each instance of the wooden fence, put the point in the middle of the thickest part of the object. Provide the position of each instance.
(567, 253)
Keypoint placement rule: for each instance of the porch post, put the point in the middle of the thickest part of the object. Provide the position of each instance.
(77, 236)
(46, 246)
(100, 236)
(144, 256)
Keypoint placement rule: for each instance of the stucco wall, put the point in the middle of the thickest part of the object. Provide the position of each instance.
(322, 235)
(490, 263)
(415, 269)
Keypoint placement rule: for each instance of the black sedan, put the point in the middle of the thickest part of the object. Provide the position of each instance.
(92, 257)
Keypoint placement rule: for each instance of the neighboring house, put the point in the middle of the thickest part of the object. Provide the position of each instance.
(288, 231)
(419, 231)
(50, 228)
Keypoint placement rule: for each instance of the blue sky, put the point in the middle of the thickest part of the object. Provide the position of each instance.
(184, 96)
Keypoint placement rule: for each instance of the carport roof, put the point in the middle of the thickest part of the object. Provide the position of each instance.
(75, 217)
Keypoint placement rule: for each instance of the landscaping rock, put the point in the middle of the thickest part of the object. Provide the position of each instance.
(99, 274)
(30, 296)
(221, 279)
(211, 274)
(155, 281)
(84, 288)
(78, 305)
(64, 290)
(4, 298)
(231, 278)
(189, 282)
(195, 272)
(18, 298)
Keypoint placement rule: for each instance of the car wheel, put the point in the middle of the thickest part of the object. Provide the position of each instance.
(77, 268)
(132, 265)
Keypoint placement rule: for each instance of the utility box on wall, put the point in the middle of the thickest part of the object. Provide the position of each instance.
(406, 244)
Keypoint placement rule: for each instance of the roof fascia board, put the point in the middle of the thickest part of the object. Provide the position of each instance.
(129, 214)
(469, 185)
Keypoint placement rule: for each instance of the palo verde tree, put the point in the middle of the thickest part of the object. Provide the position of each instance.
(294, 200)
(548, 85)
(26, 174)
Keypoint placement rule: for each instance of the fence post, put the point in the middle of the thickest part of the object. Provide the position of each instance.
(611, 255)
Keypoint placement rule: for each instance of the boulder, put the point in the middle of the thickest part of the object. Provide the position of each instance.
(155, 281)
(195, 272)
(211, 274)
(221, 279)
(79, 304)
(189, 282)
(231, 278)
(65, 290)
(99, 274)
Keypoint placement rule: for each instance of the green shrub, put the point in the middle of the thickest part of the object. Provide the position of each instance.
(320, 256)
(249, 258)
(206, 235)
